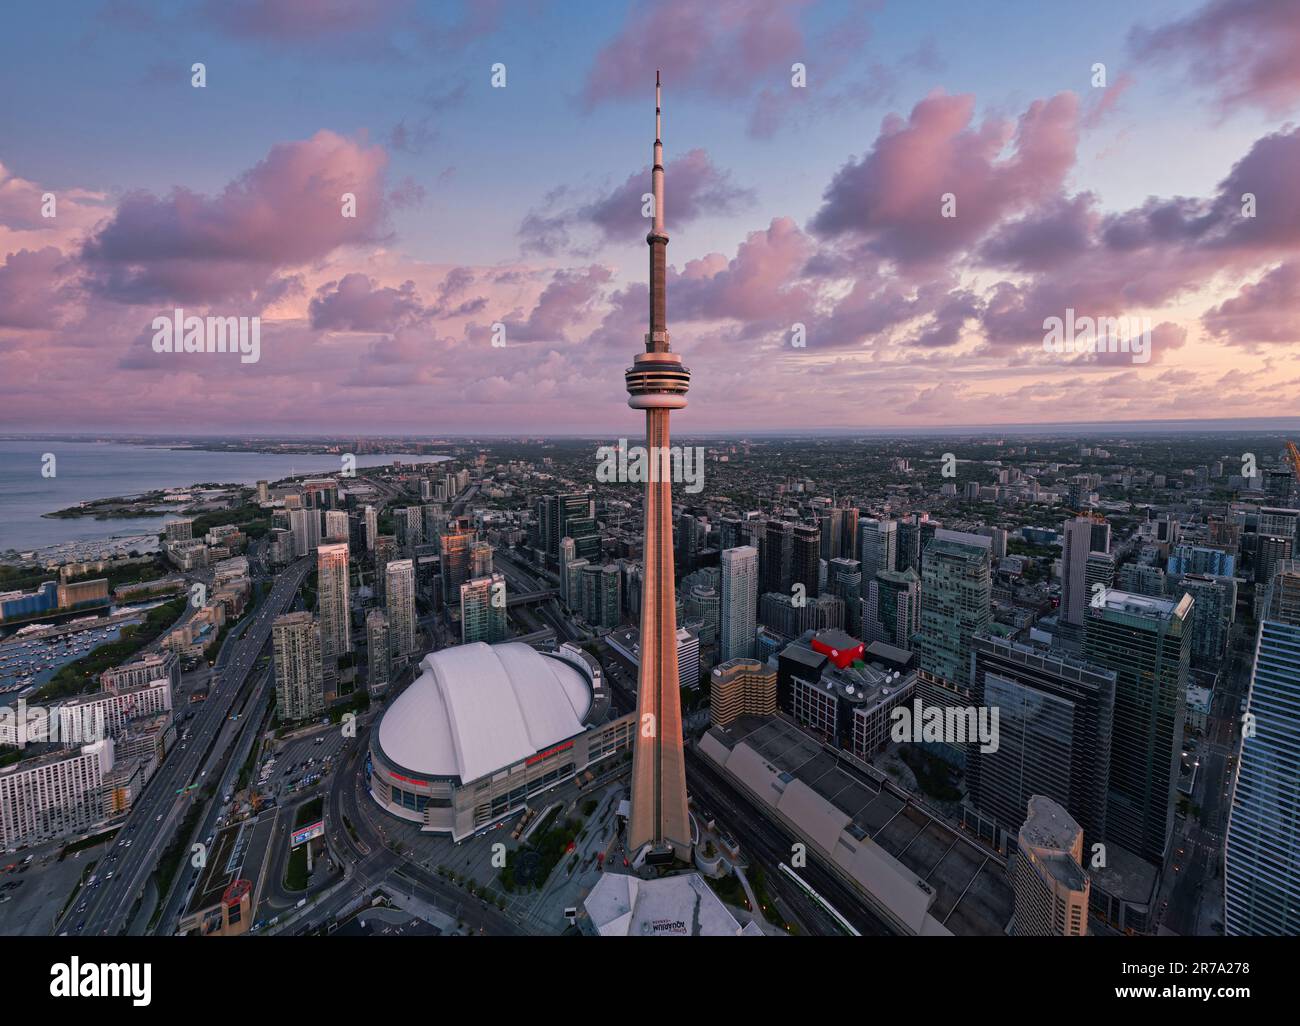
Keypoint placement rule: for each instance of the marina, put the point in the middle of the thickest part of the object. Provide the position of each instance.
(30, 658)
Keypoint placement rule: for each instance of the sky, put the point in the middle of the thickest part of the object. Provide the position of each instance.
(882, 213)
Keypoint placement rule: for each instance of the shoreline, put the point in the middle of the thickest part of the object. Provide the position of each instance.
(135, 525)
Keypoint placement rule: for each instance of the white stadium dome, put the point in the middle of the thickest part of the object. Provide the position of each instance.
(477, 708)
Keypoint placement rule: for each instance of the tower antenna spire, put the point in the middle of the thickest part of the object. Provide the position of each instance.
(659, 133)
(657, 172)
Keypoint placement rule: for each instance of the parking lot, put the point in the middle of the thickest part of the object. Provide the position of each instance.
(32, 893)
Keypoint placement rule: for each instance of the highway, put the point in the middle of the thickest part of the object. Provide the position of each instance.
(125, 869)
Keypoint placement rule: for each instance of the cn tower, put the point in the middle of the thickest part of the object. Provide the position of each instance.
(657, 383)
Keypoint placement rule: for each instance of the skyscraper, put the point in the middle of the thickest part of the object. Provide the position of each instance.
(385, 549)
(305, 524)
(296, 644)
(1076, 544)
(1147, 642)
(956, 596)
(1055, 716)
(956, 604)
(399, 604)
(483, 609)
(480, 560)
(908, 553)
(1262, 854)
(1050, 885)
(657, 383)
(378, 649)
(456, 559)
(568, 553)
(336, 525)
(844, 578)
(832, 532)
(805, 558)
(1213, 611)
(335, 618)
(739, 602)
(371, 519)
(891, 608)
(877, 546)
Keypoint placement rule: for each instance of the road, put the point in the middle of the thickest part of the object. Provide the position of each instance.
(159, 810)
(370, 863)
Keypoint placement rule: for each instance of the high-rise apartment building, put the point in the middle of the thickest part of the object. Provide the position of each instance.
(1213, 613)
(457, 563)
(370, 518)
(336, 525)
(483, 610)
(891, 608)
(844, 578)
(333, 592)
(739, 610)
(305, 525)
(480, 559)
(1050, 885)
(1262, 853)
(399, 605)
(299, 685)
(55, 795)
(379, 652)
(385, 550)
(1076, 544)
(877, 546)
(741, 687)
(956, 604)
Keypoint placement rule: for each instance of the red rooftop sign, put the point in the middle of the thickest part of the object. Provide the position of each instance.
(841, 657)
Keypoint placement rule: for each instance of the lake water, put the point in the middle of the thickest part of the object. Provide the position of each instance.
(101, 470)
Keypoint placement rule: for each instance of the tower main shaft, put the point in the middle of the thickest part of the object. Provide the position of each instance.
(657, 383)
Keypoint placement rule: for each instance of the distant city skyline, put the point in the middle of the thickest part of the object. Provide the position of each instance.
(497, 179)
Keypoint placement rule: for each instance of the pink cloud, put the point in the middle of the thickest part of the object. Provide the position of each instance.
(570, 296)
(32, 289)
(698, 189)
(892, 197)
(354, 303)
(721, 47)
(1247, 49)
(285, 212)
(1265, 312)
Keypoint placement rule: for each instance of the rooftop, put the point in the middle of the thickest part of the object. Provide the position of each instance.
(478, 708)
(925, 871)
(674, 906)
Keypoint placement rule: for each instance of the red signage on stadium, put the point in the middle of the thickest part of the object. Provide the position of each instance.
(408, 780)
(546, 754)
